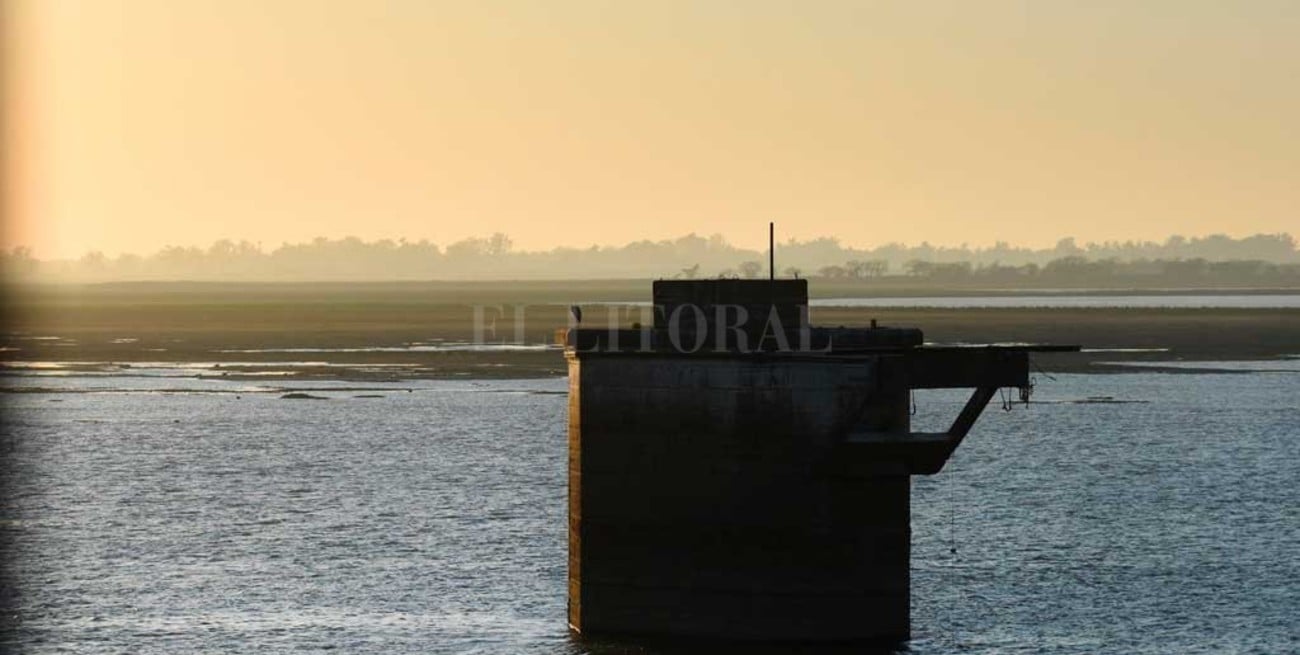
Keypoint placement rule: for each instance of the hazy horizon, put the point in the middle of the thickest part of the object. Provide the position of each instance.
(1261, 259)
(134, 124)
(743, 244)
(505, 243)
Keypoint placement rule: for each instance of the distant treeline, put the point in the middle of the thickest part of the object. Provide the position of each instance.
(1078, 271)
(1263, 259)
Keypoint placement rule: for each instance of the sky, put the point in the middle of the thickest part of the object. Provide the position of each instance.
(131, 125)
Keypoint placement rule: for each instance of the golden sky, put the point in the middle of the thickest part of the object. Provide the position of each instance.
(134, 124)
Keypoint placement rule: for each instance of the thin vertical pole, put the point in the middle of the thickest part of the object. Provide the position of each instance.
(771, 251)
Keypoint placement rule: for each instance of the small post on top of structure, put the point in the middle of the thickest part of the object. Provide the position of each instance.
(771, 251)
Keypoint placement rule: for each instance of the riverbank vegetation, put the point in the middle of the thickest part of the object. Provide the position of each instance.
(1269, 260)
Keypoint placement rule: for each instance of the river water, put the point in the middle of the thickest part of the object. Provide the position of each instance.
(1062, 299)
(162, 514)
(1065, 300)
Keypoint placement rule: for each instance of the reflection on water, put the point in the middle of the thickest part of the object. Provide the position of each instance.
(1261, 301)
(1048, 300)
(23, 375)
(447, 346)
(432, 519)
(1284, 365)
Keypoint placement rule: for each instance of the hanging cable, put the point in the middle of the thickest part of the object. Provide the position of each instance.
(1006, 399)
(1040, 370)
(952, 548)
(1027, 391)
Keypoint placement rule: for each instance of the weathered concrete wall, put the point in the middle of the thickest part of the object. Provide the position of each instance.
(695, 303)
(707, 498)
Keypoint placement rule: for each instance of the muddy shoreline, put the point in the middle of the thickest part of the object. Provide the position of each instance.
(396, 333)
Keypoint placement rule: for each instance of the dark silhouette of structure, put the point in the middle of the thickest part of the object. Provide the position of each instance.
(736, 473)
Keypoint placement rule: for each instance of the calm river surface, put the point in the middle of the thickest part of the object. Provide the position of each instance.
(1168, 301)
(163, 514)
(1067, 300)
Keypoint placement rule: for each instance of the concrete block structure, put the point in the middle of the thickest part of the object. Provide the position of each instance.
(735, 473)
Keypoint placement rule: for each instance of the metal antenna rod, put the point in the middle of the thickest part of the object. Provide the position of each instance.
(771, 251)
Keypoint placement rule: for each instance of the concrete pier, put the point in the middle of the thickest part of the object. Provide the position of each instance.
(735, 473)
